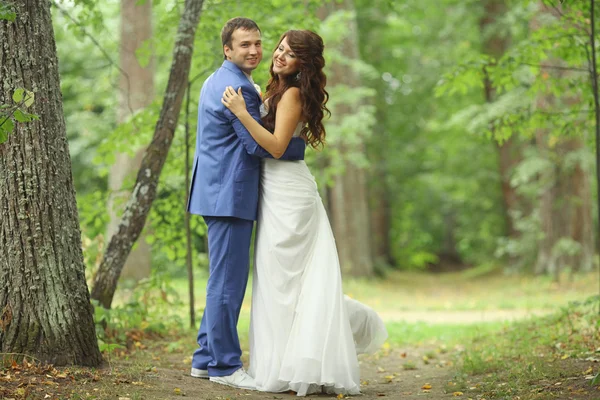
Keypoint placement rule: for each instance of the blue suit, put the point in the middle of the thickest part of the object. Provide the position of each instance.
(224, 190)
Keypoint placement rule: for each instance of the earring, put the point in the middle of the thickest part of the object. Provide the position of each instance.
(298, 76)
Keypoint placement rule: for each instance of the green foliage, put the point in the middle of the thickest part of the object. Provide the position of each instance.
(7, 13)
(442, 179)
(15, 113)
(149, 307)
(549, 59)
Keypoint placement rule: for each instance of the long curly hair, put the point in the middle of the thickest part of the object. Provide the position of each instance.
(308, 48)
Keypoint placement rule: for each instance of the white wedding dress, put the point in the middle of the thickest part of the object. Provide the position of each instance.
(304, 333)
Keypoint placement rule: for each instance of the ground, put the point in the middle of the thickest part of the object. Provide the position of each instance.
(167, 377)
(451, 336)
(158, 370)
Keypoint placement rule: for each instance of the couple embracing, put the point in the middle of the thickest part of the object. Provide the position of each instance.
(249, 165)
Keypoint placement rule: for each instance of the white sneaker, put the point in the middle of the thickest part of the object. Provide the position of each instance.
(199, 373)
(239, 379)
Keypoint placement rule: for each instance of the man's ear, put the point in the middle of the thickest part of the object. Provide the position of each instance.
(226, 51)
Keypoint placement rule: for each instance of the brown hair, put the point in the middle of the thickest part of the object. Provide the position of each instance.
(308, 48)
(232, 25)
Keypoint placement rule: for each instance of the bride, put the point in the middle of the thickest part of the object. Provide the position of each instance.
(304, 333)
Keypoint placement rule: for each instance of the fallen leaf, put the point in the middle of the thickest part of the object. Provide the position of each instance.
(457, 394)
(426, 386)
(340, 396)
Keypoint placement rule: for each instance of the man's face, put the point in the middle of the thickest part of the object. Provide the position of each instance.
(246, 49)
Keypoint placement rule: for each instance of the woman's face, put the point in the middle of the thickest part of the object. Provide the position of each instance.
(285, 61)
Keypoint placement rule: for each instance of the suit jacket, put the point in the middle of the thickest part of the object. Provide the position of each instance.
(226, 171)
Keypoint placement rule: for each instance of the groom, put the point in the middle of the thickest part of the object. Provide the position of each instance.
(224, 190)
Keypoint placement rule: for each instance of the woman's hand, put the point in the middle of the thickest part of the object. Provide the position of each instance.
(234, 101)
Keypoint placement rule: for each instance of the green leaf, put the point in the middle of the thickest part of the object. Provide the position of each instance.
(29, 98)
(20, 116)
(6, 128)
(18, 95)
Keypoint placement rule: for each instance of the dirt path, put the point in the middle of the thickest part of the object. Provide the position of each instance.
(408, 373)
(382, 376)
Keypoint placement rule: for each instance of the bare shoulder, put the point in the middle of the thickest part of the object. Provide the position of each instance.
(291, 96)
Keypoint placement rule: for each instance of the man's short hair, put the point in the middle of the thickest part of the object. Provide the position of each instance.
(232, 25)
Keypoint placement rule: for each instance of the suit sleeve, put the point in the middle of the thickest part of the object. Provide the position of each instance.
(295, 149)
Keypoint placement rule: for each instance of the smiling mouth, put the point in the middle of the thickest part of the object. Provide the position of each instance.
(279, 64)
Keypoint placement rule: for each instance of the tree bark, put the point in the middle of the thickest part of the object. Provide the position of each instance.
(45, 309)
(136, 91)
(144, 191)
(348, 199)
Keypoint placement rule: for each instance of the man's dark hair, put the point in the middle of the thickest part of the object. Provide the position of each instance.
(232, 25)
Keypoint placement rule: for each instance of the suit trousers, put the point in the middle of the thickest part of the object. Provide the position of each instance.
(228, 251)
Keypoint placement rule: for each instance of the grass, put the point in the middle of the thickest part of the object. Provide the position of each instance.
(449, 294)
(428, 334)
(548, 357)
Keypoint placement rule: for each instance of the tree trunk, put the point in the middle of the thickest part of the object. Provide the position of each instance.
(509, 152)
(565, 210)
(136, 92)
(144, 191)
(565, 206)
(380, 214)
(348, 199)
(45, 309)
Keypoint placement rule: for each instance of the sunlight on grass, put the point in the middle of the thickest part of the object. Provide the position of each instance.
(449, 335)
(418, 308)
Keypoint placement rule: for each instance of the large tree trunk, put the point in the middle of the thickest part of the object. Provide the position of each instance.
(136, 91)
(582, 226)
(565, 206)
(144, 191)
(380, 213)
(348, 198)
(509, 152)
(45, 309)
(565, 210)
